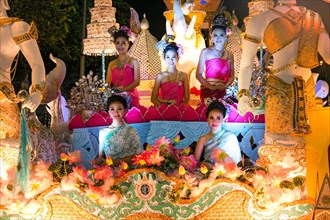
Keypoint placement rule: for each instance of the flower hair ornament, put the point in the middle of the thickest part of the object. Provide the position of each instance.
(113, 31)
(127, 97)
(162, 44)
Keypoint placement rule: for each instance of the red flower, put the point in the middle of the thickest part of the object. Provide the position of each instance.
(139, 159)
(102, 172)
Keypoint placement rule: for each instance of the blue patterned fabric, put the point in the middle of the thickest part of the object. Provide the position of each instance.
(120, 142)
(226, 141)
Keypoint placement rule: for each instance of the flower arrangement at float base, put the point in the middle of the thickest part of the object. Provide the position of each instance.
(97, 183)
(272, 186)
(165, 157)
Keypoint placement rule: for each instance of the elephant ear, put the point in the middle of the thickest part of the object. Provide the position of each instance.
(54, 81)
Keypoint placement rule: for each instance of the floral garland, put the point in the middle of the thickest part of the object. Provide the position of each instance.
(113, 30)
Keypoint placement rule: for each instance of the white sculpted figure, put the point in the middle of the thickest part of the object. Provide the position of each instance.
(293, 35)
(17, 36)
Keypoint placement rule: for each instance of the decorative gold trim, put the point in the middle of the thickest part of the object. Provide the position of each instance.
(286, 4)
(31, 34)
(146, 215)
(242, 92)
(235, 202)
(5, 21)
(252, 39)
(282, 68)
(39, 87)
(216, 182)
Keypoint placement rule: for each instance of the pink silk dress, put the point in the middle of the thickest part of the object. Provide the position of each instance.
(216, 68)
(172, 91)
(124, 77)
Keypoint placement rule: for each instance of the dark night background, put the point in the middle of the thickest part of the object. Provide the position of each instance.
(154, 10)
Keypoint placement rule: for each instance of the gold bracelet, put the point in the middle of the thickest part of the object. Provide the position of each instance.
(252, 39)
(39, 87)
(242, 92)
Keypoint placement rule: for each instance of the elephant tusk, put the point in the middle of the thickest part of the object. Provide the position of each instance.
(190, 29)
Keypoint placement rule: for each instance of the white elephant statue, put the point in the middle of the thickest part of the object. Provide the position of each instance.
(187, 36)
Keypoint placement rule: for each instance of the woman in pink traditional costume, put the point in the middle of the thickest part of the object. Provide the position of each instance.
(217, 62)
(123, 73)
(171, 86)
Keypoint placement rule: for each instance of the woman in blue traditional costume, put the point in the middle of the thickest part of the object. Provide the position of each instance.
(217, 137)
(119, 141)
(217, 62)
(294, 35)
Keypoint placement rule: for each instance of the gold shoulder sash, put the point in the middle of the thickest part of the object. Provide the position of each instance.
(31, 34)
(308, 42)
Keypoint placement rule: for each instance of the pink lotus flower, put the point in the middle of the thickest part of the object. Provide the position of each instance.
(191, 179)
(154, 158)
(188, 162)
(74, 157)
(162, 143)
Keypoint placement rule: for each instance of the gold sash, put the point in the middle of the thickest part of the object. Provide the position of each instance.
(9, 113)
(287, 105)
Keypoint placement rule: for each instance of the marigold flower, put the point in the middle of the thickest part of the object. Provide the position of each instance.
(64, 157)
(177, 139)
(148, 148)
(108, 161)
(186, 150)
(204, 169)
(124, 165)
(182, 170)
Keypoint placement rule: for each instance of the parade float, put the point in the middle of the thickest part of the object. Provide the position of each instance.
(164, 181)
